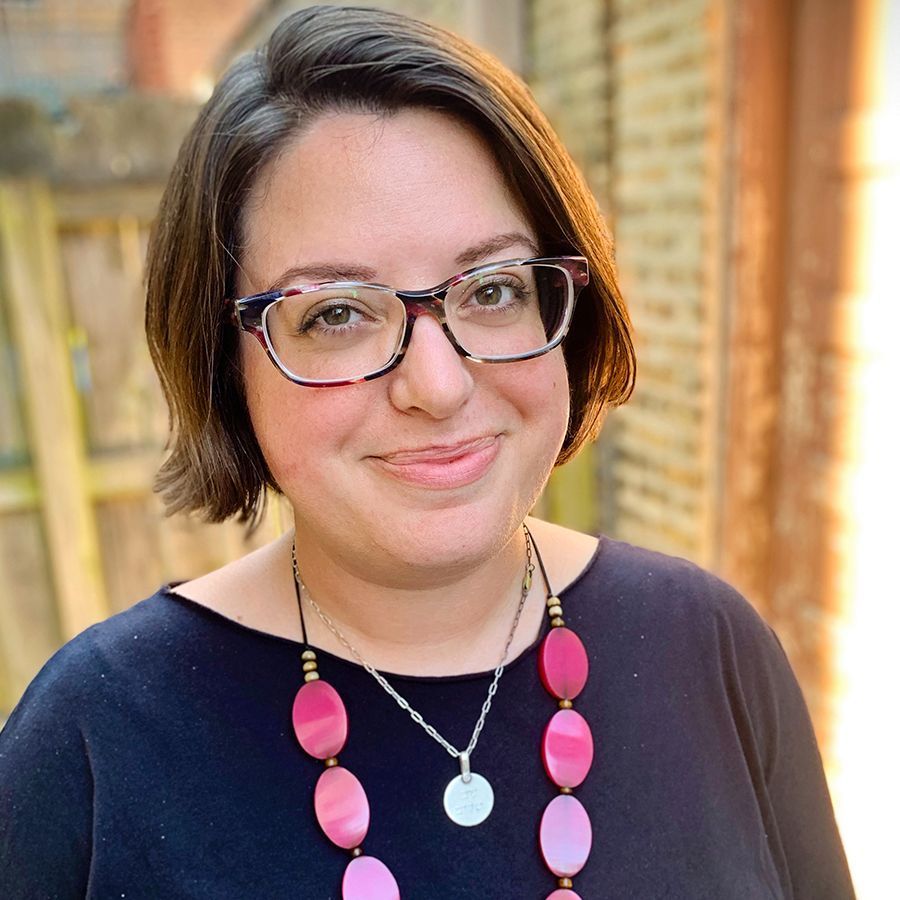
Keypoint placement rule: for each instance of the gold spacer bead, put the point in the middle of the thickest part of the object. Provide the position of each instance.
(331, 762)
(565, 790)
(356, 851)
(557, 622)
(565, 704)
(311, 676)
(554, 601)
(565, 882)
(308, 654)
(310, 666)
(554, 611)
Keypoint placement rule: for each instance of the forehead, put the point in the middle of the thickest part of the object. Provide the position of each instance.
(401, 193)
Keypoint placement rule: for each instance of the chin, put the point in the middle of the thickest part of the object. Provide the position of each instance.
(457, 535)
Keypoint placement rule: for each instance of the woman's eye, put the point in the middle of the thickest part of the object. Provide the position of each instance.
(493, 299)
(495, 294)
(336, 315)
(490, 294)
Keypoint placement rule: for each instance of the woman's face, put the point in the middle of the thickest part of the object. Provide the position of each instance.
(433, 466)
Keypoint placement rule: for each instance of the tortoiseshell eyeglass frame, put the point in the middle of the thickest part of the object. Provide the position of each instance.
(249, 314)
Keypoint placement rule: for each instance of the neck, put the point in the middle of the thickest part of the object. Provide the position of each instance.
(434, 623)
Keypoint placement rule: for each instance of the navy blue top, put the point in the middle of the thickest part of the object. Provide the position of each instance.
(153, 756)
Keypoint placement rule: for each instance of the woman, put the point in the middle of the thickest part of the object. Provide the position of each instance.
(362, 294)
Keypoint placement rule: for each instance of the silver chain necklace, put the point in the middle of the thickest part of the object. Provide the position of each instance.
(469, 797)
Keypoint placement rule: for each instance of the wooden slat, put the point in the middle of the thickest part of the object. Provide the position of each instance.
(129, 530)
(13, 442)
(101, 205)
(125, 475)
(29, 629)
(34, 292)
(128, 475)
(19, 491)
(120, 399)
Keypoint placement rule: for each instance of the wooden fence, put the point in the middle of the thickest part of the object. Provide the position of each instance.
(83, 424)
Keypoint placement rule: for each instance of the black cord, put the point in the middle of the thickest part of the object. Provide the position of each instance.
(540, 561)
(297, 592)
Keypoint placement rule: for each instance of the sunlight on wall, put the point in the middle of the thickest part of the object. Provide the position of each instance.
(865, 780)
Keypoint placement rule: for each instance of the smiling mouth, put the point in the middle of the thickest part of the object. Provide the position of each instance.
(442, 466)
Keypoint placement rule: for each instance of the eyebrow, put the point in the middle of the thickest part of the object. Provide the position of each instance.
(481, 251)
(316, 273)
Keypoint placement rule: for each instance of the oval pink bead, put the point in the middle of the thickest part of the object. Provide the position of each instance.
(565, 836)
(320, 719)
(563, 894)
(567, 748)
(563, 663)
(368, 878)
(342, 808)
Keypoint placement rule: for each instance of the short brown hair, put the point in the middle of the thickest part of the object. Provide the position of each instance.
(350, 59)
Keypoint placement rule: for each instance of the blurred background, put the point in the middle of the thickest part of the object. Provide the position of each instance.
(747, 156)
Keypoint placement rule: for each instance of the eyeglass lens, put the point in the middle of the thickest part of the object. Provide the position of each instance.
(345, 333)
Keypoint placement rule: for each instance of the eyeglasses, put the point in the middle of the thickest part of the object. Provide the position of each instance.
(326, 335)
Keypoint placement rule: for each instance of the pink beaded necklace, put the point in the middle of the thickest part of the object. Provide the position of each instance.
(567, 749)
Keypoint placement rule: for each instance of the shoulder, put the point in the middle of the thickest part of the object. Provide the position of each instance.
(632, 589)
(673, 627)
(155, 619)
(65, 733)
(614, 584)
(670, 585)
(77, 680)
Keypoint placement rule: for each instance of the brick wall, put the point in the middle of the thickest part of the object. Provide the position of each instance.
(173, 46)
(567, 65)
(665, 107)
(633, 88)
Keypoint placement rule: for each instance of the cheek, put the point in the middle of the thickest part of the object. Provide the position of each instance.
(275, 407)
(553, 387)
(296, 427)
(540, 392)
(558, 401)
(261, 386)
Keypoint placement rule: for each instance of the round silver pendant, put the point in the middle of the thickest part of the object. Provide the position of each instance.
(469, 803)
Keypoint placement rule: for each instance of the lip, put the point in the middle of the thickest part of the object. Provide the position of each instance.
(442, 466)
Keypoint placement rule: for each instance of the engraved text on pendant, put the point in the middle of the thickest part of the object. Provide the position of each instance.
(469, 804)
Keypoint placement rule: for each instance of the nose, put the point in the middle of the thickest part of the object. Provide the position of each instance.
(432, 377)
